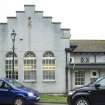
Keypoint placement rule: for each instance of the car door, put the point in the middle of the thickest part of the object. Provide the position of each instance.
(99, 93)
(6, 94)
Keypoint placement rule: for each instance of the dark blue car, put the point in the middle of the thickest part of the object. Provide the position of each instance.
(13, 92)
(91, 94)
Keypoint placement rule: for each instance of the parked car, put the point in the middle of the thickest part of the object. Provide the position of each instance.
(91, 94)
(13, 92)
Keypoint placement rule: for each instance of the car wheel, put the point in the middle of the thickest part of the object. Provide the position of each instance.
(19, 101)
(82, 101)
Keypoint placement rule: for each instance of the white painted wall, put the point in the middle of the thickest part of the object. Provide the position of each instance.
(45, 36)
(88, 73)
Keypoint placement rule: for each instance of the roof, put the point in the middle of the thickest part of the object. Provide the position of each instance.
(88, 45)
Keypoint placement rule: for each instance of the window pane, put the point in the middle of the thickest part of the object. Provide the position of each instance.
(46, 61)
(53, 61)
(29, 75)
(43, 61)
(84, 59)
(49, 75)
(50, 61)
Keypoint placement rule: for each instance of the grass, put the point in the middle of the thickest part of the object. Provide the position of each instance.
(53, 98)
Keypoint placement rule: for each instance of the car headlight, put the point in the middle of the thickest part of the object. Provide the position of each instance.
(30, 94)
(71, 92)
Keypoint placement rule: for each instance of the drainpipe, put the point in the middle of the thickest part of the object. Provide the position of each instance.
(66, 73)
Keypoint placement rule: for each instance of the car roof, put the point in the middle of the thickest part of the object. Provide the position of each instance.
(6, 79)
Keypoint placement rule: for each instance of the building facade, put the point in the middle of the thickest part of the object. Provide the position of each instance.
(87, 62)
(39, 50)
(45, 58)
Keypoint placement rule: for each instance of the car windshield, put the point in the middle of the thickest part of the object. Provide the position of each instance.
(15, 83)
(98, 79)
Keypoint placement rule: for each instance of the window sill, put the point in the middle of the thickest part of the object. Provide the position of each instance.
(29, 81)
(47, 81)
(78, 86)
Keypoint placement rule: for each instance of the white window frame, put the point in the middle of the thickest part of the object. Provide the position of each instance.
(33, 65)
(78, 78)
(9, 68)
(49, 67)
(92, 77)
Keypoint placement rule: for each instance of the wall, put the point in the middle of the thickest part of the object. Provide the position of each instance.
(43, 35)
(99, 58)
(3, 34)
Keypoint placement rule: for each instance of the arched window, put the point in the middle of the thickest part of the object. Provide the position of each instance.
(29, 66)
(48, 66)
(9, 66)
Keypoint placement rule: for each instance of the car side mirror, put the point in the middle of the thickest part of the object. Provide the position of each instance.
(97, 85)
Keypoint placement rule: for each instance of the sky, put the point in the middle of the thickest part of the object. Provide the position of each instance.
(85, 18)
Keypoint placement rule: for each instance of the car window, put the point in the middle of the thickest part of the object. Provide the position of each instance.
(16, 84)
(102, 82)
(3, 85)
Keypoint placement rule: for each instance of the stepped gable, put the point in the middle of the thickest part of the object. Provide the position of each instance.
(31, 10)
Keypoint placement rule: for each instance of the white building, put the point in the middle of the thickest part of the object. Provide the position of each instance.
(87, 64)
(43, 51)
(39, 50)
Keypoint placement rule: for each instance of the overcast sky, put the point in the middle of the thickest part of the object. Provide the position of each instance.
(85, 18)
